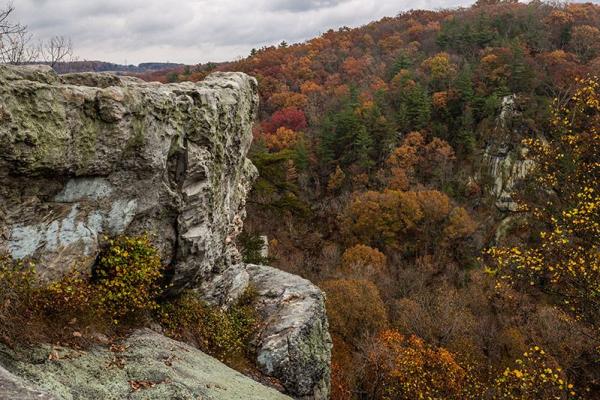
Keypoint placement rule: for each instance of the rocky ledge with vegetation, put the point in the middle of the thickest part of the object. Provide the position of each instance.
(120, 205)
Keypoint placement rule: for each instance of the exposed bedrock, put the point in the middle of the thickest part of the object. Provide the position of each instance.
(505, 158)
(150, 366)
(84, 156)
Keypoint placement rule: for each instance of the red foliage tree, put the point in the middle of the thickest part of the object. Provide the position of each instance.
(290, 117)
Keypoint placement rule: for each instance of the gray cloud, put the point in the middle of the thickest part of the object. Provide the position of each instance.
(193, 31)
(304, 5)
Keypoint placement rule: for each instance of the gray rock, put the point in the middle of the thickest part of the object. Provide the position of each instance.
(505, 158)
(15, 388)
(264, 251)
(88, 155)
(160, 367)
(294, 344)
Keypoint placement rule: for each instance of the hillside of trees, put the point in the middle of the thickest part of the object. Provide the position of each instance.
(371, 150)
(101, 66)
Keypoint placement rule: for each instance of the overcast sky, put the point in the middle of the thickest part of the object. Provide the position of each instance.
(193, 31)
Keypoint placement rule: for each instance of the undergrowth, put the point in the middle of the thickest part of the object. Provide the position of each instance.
(224, 334)
(123, 292)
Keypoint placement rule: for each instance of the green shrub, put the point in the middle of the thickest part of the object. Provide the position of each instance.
(122, 291)
(127, 279)
(221, 333)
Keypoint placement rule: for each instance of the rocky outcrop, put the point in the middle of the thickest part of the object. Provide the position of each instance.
(505, 158)
(290, 345)
(88, 156)
(146, 366)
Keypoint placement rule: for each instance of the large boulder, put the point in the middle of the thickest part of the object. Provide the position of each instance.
(294, 343)
(146, 366)
(88, 155)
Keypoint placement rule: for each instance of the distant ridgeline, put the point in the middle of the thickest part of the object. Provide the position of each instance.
(102, 66)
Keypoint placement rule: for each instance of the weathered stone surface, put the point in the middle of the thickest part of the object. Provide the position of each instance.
(163, 369)
(294, 344)
(15, 388)
(88, 155)
(505, 158)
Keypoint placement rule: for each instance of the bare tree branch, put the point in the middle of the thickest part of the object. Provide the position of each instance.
(16, 44)
(7, 27)
(18, 49)
(15, 41)
(57, 49)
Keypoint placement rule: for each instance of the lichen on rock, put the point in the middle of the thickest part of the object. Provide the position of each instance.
(146, 366)
(90, 155)
(294, 344)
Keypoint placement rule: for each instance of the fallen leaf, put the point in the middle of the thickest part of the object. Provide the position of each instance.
(53, 356)
(138, 385)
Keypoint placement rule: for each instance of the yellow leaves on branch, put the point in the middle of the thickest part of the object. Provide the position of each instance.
(564, 258)
(535, 376)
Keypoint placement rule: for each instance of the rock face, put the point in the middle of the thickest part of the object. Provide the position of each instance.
(146, 366)
(505, 161)
(87, 156)
(15, 388)
(290, 346)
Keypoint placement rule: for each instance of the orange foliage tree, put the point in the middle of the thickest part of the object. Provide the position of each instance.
(382, 218)
(354, 308)
(282, 139)
(363, 261)
(406, 368)
(399, 220)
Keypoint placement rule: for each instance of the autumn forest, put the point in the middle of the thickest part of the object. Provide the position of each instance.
(437, 174)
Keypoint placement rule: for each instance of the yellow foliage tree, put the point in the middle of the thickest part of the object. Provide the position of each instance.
(534, 376)
(564, 257)
(439, 67)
